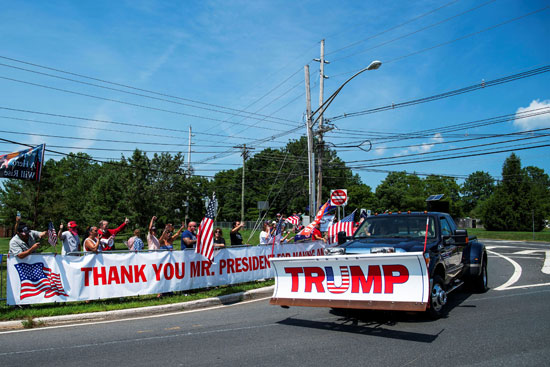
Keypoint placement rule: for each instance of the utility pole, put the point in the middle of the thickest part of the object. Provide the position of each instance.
(244, 154)
(188, 175)
(321, 130)
(310, 156)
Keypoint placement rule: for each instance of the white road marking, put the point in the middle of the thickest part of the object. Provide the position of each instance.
(546, 267)
(527, 286)
(527, 252)
(514, 278)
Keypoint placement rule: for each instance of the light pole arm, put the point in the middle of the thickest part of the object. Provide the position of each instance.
(373, 66)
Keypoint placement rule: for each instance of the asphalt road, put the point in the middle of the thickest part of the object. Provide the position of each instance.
(507, 326)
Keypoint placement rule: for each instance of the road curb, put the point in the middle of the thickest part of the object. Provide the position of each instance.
(141, 311)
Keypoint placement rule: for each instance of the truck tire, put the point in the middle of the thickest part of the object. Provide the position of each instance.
(480, 282)
(438, 298)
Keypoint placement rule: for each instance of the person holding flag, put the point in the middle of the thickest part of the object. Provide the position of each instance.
(71, 242)
(25, 241)
(307, 231)
(205, 236)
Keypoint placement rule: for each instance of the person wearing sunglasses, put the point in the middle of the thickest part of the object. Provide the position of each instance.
(219, 241)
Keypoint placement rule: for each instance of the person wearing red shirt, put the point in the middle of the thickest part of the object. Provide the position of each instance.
(107, 236)
(316, 234)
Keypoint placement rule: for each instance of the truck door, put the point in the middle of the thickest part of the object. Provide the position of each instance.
(452, 254)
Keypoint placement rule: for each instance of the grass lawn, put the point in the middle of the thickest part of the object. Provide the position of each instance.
(512, 236)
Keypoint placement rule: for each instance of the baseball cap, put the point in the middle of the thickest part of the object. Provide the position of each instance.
(72, 224)
(22, 227)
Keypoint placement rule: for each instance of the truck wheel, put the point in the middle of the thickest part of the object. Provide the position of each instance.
(438, 298)
(480, 282)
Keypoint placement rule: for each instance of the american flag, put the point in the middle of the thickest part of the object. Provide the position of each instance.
(52, 236)
(293, 219)
(344, 275)
(36, 279)
(205, 236)
(346, 224)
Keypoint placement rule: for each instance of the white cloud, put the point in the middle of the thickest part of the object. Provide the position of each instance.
(533, 122)
(424, 147)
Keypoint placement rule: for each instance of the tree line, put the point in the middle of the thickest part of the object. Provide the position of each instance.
(79, 188)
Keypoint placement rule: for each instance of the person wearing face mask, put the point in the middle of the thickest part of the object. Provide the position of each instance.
(71, 242)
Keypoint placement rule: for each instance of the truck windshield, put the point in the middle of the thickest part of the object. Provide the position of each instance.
(408, 226)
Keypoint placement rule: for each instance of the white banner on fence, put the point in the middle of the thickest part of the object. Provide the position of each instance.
(50, 278)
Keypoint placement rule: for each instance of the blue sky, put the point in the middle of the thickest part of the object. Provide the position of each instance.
(227, 58)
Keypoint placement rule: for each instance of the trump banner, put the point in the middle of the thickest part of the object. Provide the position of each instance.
(54, 278)
(394, 281)
(24, 165)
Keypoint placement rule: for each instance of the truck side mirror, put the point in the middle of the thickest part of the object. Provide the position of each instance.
(342, 237)
(461, 237)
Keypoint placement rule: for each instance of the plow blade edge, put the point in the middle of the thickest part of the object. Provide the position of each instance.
(396, 281)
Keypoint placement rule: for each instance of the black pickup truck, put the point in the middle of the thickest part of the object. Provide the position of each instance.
(452, 257)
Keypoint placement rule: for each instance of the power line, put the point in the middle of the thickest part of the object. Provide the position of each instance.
(130, 103)
(127, 86)
(415, 32)
(131, 124)
(452, 93)
(454, 40)
(391, 28)
(252, 115)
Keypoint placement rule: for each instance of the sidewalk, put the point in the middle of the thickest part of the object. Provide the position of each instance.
(141, 311)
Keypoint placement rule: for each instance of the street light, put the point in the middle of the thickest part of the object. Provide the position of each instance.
(372, 66)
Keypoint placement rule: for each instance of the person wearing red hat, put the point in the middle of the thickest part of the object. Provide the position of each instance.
(71, 242)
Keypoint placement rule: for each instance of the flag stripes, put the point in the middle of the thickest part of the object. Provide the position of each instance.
(205, 235)
(345, 225)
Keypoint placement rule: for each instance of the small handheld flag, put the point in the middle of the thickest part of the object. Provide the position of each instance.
(52, 236)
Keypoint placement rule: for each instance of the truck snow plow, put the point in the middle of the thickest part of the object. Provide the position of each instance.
(389, 281)
(396, 261)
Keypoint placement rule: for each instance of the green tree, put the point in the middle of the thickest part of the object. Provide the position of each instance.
(401, 191)
(477, 188)
(520, 200)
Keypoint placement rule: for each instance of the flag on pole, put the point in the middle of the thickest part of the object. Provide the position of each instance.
(52, 236)
(205, 236)
(293, 219)
(309, 229)
(345, 225)
(24, 165)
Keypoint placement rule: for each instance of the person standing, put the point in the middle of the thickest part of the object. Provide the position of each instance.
(236, 237)
(71, 241)
(167, 238)
(135, 243)
(92, 243)
(219, 241)
(189, 236)
(107, 236)
(152, 240)
(25, 241)
(265, 233)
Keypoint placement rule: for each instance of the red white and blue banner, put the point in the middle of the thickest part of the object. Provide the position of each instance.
(55, 278)
(392, 281)
(24, 165)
